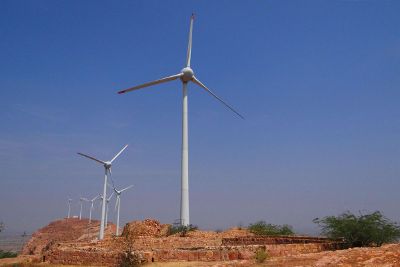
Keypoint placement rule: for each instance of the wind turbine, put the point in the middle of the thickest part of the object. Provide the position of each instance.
(107, 167)
(81, 200)
(118, 204)
(107, 204)
(91, 207)
(186, 75)
(69, 207)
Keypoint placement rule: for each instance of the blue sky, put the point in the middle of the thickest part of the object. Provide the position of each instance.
(318, 83)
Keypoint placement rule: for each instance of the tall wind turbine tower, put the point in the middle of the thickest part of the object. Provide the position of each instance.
(186, 75)
(107, 167)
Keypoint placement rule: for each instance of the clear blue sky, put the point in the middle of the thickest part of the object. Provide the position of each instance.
(318, 83)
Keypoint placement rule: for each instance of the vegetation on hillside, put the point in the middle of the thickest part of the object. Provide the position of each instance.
(263, 228)
(360, 231)
(261, 255)
(182, 229)
(7, 254)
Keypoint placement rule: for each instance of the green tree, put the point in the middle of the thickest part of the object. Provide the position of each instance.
(263, 228)
(372, 229)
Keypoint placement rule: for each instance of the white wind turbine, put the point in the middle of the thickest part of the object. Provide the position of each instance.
(69, 207)
(91, 207)
(107, 166)
(118, 204)
(186, 75)
(81, 201)
(107, 204)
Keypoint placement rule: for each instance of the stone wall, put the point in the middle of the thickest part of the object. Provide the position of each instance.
(93, 256)
(174, 242)
(267, 240)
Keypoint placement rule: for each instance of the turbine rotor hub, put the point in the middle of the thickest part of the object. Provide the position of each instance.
(107, 165)
(187, 74)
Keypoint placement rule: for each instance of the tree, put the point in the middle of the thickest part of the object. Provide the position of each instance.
(360, 231)
(262, 228)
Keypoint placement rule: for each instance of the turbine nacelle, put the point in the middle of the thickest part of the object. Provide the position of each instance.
(107, 165)
(187, 74)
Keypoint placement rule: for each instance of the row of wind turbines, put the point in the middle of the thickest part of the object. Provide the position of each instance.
(186, 75)
(104, 200)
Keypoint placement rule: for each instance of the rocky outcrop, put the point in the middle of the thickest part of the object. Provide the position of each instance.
(148, 227)
(64, 230)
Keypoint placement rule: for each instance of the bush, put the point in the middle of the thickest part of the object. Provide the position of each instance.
(129, 257)
(262, 228)
(7, 254)
(261, 255)
(360, 231)
(183, 229)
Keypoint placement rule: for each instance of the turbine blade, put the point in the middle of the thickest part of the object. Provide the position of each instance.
(110, 197)
(189, 49)
(162, 80)
(93, 199)
(126, 188)
(85, 199)
(196, 81)
(119, 153)
(92, 158)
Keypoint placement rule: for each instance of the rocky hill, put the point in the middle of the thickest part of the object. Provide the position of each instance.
(74, 242)
(64, 230)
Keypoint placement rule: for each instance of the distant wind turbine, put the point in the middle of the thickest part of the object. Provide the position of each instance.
(118, 204)
(81, 201)
(69, 207)
(186, 75)
(91, 207)
(107, 166)
(107, 204)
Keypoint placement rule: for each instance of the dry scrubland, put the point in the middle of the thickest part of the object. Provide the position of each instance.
(72, 243)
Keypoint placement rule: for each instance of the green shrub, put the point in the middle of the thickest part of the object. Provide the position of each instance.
(7, 254)
(183, 229)
(261, 255)
(360, 231)
(262, 228)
